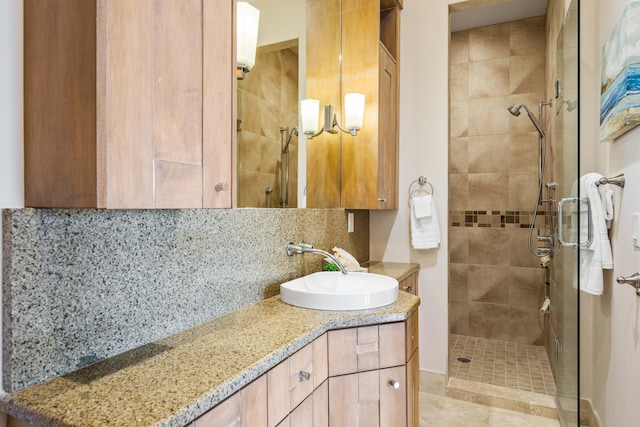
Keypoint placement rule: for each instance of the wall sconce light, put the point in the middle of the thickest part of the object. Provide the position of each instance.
(247, 38)
(353, 112)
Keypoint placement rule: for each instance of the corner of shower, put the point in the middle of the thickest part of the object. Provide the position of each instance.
(532, 260)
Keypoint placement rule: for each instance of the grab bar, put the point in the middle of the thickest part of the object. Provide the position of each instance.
(589, 223)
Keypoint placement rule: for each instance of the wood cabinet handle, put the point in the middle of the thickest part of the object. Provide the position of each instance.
(222, 186)
(395, 384)
(304, 376)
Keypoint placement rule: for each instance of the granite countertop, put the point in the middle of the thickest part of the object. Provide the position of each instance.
(172, 381)
(398, 270)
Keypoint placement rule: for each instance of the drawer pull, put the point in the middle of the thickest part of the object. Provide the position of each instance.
(408, 288)
(304, 376)
(367, 348)
(395, 384)
(222, 186)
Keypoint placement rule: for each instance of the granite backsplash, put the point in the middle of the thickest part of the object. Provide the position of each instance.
(83, 285)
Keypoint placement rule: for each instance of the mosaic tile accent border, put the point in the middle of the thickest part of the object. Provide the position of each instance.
(496, 219)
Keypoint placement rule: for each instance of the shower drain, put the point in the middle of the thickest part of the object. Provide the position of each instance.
(463, 360)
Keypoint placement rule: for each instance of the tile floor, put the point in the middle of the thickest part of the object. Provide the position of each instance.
(498, 363)
(518, 366)
(442, 411)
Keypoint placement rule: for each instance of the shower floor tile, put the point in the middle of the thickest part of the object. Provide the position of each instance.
(518, 366)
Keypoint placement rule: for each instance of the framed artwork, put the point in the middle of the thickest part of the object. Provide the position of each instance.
(620, 78)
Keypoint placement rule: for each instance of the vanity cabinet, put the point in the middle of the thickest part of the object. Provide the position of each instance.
(294, 392)
(248, 407)
(128, 103)
(360, 376)
(295, 379)
(410, 284)
(373, 375)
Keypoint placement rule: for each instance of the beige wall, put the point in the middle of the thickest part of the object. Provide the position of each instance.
(610, 348)
(495, 285)
(423, 151)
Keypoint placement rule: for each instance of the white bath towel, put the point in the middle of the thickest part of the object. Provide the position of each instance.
(597, 256)
(425, 230)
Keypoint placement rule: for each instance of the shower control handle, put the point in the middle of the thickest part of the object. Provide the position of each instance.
(548, 239)
(633, 280)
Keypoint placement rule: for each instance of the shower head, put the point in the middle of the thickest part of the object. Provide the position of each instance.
(289, 136)
(515, 110)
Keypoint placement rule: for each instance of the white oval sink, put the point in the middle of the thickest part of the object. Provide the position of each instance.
(332, 290)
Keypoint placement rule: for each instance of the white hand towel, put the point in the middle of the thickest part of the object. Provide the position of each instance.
(425, 231)
(598, 255)
(606, 195)
(422, 205)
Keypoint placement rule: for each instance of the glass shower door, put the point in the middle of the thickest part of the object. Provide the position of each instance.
(563, 342)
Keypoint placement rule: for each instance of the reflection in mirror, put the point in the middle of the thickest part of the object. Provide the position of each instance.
(324, 82)
(268, 145)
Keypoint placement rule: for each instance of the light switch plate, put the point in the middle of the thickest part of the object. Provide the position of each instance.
(635, 227)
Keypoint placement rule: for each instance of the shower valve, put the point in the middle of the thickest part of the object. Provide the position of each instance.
(547, 239)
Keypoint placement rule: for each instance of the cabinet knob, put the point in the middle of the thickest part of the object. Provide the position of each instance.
(304, 376)
(395, 384)
(408, 288)
(222, 186)
(382, 200)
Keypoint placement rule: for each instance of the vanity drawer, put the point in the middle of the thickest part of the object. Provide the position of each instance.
(366, 348)
(410, 284)
(227, 413)
(294, 379)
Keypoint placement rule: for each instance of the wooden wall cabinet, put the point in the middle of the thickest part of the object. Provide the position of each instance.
(370, 55)
(129, 103)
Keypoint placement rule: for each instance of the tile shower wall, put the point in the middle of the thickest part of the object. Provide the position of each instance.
(495, 286)
(267, 101)
(84, 285)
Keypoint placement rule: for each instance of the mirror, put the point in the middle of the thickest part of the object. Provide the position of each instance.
(268, 165)
(272, 159)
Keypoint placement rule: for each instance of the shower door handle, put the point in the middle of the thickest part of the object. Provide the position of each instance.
(561, 239)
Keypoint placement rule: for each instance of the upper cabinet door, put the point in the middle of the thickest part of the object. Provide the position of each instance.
(129, 104)
(367, 176)
(370, 40)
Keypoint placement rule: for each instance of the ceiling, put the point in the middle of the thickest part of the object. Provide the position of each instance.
(502, 12)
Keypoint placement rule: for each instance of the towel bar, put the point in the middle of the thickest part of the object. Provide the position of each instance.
(633, 280)
(618, 180)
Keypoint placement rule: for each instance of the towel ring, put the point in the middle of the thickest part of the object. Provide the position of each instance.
(422, 181)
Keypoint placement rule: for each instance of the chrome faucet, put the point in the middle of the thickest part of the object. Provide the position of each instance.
(301, 248)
